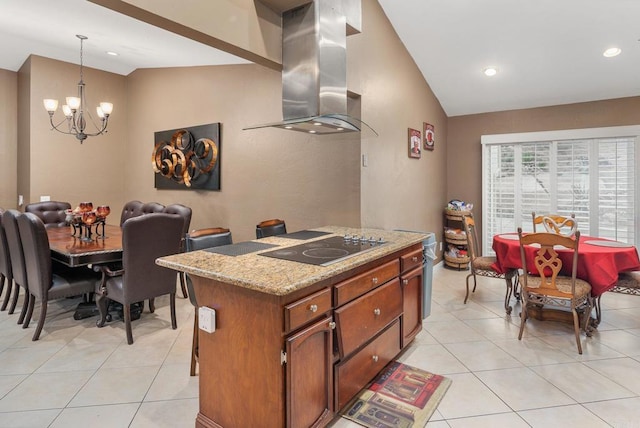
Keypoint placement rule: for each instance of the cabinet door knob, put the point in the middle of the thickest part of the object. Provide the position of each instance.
(313, 308)
(375, 358)
(376, 311)
(414, 259)
(405, 282)
(374, 280)
(332, 325)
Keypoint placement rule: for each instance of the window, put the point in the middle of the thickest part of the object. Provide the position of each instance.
(588, 172)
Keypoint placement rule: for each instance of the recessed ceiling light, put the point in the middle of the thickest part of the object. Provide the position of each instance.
(490, 71)
(112, 53)
(611, 52)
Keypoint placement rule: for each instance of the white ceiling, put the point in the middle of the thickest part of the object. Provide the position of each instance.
(547, 52)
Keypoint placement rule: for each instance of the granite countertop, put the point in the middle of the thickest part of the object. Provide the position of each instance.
(281, 277)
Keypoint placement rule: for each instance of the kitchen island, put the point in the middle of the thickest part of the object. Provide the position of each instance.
(294, 342)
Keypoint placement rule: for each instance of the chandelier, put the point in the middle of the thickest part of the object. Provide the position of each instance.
(74, 110)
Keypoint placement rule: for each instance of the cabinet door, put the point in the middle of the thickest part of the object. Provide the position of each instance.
(309, 376)
(411, 304)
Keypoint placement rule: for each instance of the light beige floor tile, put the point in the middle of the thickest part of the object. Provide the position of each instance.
(78, 357)
(173, 382)
(166, 414)
(468, 396)
(8, 382)
(140, 353)
(29, 419)
(564, 416)
(113, 416)
(472, 311)
(433, 358)
(511, 420)
(181, 350)
(484, 355)
(523, 389)
(532, 351)
(582, 383)
(26, 360)
(452, 332)
(44, 391)
(617, 413)
(622, 318)
(621, 341)
(495, 328)
(592, 348)
(437, 424)
(624, 371)
(115, 386)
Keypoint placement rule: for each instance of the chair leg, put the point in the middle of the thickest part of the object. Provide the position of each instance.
(32, 303)
(596, 302)
(466, 296)
(523, 315)
(5, 302)
(152, 305)
(182, 284)
(576, 329)
(102, 302)
(127, 322)
(172, 306)
(25, 306)
(507, 297)
(14, 301)
(2, 281)
(43, 315)
(194, 344)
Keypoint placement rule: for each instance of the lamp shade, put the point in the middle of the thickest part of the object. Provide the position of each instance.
(106, 108)
(73, 103)
(50, 105)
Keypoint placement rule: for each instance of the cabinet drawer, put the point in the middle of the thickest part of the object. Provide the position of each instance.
(363, 318)
(308, 309)
(360, 284)
(411, 260)
(352, 375)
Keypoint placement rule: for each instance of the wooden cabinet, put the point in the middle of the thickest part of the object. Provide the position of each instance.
(411, 304)
(455, 251)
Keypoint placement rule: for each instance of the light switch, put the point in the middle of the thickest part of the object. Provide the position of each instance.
(20, 200)
(207, 319)
(45, 198)
(365, 160)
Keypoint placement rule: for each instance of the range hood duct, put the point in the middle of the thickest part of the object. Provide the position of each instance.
(314, 67)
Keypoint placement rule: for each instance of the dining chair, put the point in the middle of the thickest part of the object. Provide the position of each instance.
(6, 276)
(43, 283)
(52, 213)
(542, 284)
(144, 239)
(18, 268)
(184, 212)
(270, 228)
(130, 209)
(199, 240)
(555, 223)
(482, 265)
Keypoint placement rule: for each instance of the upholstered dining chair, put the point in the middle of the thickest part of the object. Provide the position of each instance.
(555, 223)
(184, 212)
(542, 284)
(18, 269)
(45, 285)
(144, 239)
(482, 265)
(198, 240)
(6, 275)
(130, 209)
(52, 213)
(270, 228)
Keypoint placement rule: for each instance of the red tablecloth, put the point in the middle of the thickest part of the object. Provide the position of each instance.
(597, 265)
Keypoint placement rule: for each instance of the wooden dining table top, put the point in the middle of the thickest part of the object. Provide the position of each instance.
(74, 251)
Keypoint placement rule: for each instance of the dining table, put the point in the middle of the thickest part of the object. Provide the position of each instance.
(600, 261)
(75, 250)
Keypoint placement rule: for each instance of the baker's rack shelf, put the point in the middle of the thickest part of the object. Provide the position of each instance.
(456, 239)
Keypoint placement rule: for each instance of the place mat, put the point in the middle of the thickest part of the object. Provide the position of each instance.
(304, 234)
(512, 236)
(602, 243)
(401, 397)
(240, 248)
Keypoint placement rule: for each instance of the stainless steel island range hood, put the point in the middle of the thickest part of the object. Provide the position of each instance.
(314, 67)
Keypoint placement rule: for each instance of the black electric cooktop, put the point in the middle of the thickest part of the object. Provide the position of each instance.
(326, 251)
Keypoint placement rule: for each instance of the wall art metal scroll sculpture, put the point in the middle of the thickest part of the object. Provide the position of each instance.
(187, 158)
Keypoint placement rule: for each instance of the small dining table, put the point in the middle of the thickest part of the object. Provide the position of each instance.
(75, 251)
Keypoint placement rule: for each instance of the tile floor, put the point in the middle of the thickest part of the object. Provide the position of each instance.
(77, 375)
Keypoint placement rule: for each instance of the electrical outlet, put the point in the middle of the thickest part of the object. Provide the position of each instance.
(207, 319)
(440, 245)
(365, 160)
(20, 200)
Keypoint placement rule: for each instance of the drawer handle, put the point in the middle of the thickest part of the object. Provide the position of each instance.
(374, 280)
(375, 358)
(405, 282)
(313, 308)
(332, 325)
(376, 311)
(414, 259)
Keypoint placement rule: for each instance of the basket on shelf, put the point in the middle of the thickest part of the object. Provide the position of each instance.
(456, 262)
(455, 214)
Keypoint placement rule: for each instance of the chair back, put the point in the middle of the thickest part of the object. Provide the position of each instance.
(152, 207)
(52, 213)
(547, 263)
(270, 228)
(131, 209)
(10, 224)
(554, 223)
(35, 244)
(185, 213)
(469, 225)
(201, 239)
(144, 239)
(5, 258)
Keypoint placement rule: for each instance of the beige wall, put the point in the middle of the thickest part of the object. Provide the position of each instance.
(8, 138)
(464, 164)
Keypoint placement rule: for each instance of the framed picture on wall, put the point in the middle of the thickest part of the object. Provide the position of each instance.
(429, 136)
(414, 143)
